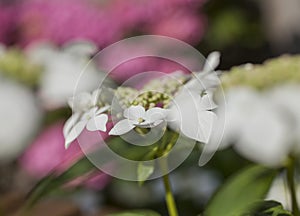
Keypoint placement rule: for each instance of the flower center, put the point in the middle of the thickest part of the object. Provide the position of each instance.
(152, 99)
(140, 120)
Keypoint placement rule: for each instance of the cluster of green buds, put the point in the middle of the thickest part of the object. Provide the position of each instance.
(282, 70)
(156, 93)
(150, 99)
(125, 95)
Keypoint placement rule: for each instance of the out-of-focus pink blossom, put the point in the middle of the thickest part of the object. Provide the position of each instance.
(183, 26)
(175, 18)
(136, 66)
(105, 22)
(63, 20)
(47, 154)
(7, 23)
(126, 59)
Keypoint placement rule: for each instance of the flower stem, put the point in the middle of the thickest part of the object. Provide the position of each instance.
(172, 209)
(291, 184)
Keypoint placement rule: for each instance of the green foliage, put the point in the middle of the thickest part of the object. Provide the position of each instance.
(233, 26)
(131, 152)
(241, 191)
(54, 181)
(285, 69)
(268, 208)
(136, 213)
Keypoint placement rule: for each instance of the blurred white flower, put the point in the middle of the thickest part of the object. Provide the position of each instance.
(20, 118)
(66, 71)
(287, 98)
(137, 116)
(258, 126)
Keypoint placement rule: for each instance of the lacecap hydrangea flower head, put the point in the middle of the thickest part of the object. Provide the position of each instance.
(181, 103)
(263, 110)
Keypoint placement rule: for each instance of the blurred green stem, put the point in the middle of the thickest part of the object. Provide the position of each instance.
(172, 209)
(291, 184)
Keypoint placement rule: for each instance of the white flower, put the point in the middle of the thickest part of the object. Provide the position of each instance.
(88, 113)
(20, 118)
(207, 78)
(136, 116)
(191, 114)
(256, 126)
(93, 120)
(65, 70)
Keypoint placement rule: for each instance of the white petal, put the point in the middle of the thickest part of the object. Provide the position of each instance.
(206, 78)
(236, 111)
(70, 123)
(287, 98)
(134, 112)
(212, 61)
(97, 123)
(102, 109)
(182, 105)
(203, 81)
(205, 125)
(122, 127)
(265, 138)
(89, 114)
(186, 114)
(74, 133)
(147, 124)
(95, 96)
(207, 102)
(80, 102)
(155, 114)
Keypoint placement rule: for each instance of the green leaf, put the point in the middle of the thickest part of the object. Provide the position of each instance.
(241, 191)
(136, 213)
(145, 169)
(268, 208)
(54, 181)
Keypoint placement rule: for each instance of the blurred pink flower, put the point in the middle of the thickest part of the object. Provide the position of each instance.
(7, 23)
(136, 66)
(124, 60)
(63, 20)
(47, 153)
(175, 18)
(105, 22)
(183, 26)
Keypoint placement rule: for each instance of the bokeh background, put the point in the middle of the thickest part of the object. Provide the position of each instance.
(44, 46)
